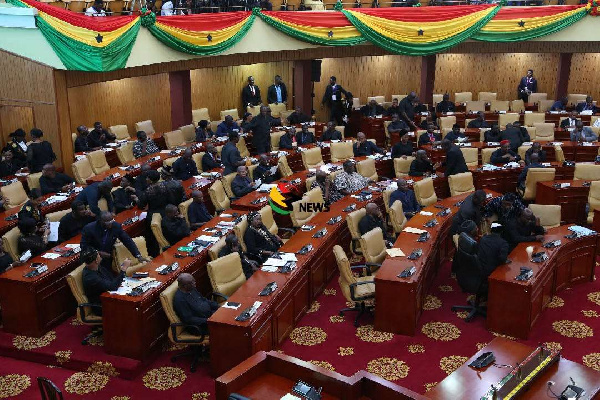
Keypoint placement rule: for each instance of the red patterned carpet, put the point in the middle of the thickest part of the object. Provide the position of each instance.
(443, 343)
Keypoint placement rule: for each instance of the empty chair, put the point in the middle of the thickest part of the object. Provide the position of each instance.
(425, 192)
(373, 247)
(535, 175)
(575, 98)
(312, 158)
(398, 96)
(352, 220)
(533, 118)
(226, 275)
(522, 150)
(10, 242)
(14, 195)
(463, 97)
(536, 97)
(356, 290)
(87, 313)
(508, 118)
(447, 122)
(587, 172)
(471, 155)
(549, 214)
(402, 166)
(120, 131)
(284, 167)
(254, 110)
(275, 137)
(341, 151)
(82, 170)
(277, 109)
(189, 133)
(145, 126)
(33, 180)
(397, 217)
(475, 106)
(544, 131)
(545, 105)
(487, 96)
(218, 196)
(233, 112)
(517, 106)
(486, 154)
(121, 254)
(593, 200)
(533, 132)
(200, 114)
(470, 276)
(174, 139)
(125, 153)
(367, 169)
(98, 161)
(283, 115)
(298, 216)
(499, 105)
(156, 227)
(437, 98)
(461, 183)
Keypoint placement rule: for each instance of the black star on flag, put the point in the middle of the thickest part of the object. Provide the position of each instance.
(209, 38)
(420, 32)
(99, 38)
(521, 23)
(330, 33)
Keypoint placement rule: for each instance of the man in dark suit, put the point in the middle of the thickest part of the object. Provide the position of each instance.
(515, 135)
(372, 109)
(470, 209)
(297, 117)
(288, 139)
(527, 86)
(191, 307)
(83, 142)
(536, 148)
(210, 159)
(100, 136)
(479, 122)
(174, 225)
(429, 137)
(72, 223)
(364, 147)
(421, 165)
(277, 92)
(504, 154)
(98, 280)
(587, 106)
(407, 109)
(331, 133)
(94, 192)
(184, 167)
(333, 99)
(559, 105)
(261, 130)
(523, 228)
(455, 161)
(570, 122)
(251, 94)
(394, 108)
(445, 106)
(230, 155)
(8, 165)
(374, 219)
(492, 135)
(54, 182)
(242, 184)
(534, 162)
(397, 126)
(198, 215)
(493, 250)
(305, 136)
(263, 170)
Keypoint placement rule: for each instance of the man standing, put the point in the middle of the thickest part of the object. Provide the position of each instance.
(261, 130)
(94, 192)
(470, 209)
(527, 86)
(492, 250)
(251, 94)
(333, 99)
(230, 155)
(455, 161)
(515, 136)
(184, 167)
(54, 182)
(277, 92)
(407, 109)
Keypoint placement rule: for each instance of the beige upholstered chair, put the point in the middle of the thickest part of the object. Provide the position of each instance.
(197, 157)
(284, 167)
(522, 150)
(276, 109)
(507, 118)
(471, 155)
(145, 126)
(226, 274)
(283, 115)
(226, 180)
(125, 153)
(242, 147)
(312, 158)
(574, 98)
(189, 133)
(535, 175)
(200, 114)
(342, 130)
(314, 195)
(120, 131)
(536, 97)
(487, 96)
(447, 122)
(98, 161)
(213, 251)
(214, 125)
(14, 195)
(233, 112)
(534, 118)
(425, 192)
(120, 253)
(475, 106)
(82, 170)
(155, 226)
(174, 139)
(57, 215)
(499, 105)
(73, 139)
(461, 183)
(587, 172)
(341, 151)
(367, 169)
(379, 99)
(544, 131)
(87, 313)
(33, 180)
(356, 290)
(559, 154)
(517, 106)
(402, 166)
(275, 137)
(387, 194)
(10, 242)
(239, 230)
(168, 162)
(218, 196)
(549, 214)
(298, 216)
(183, 209)
(593, 200)
(437, 98)
(533, 132)
(397, 217)
(545, 105)
(486, 154)
(352, 220)
(463, 97)
(254, 110)
(309, 182)
(373, 247)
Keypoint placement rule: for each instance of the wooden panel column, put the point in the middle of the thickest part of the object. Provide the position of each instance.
(427, 79)
(63, 117)
(181, 98)
(302, 91)
(562, 76)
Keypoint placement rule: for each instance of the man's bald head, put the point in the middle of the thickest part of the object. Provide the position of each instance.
(186, 282)
(372, 209)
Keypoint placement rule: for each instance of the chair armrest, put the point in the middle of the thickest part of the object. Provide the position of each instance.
(353, 287)
(370, 265)
(82, 309)
(217, 294)
(176, 325)
(362, 267)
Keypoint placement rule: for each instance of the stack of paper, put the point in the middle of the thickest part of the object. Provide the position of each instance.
(426, 213)
(410, 229)
(395, 252)
(274, 262)
(210, 239)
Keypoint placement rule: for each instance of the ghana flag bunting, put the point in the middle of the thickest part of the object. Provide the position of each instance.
(85, 43)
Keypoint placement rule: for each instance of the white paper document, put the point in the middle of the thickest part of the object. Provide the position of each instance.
(51, 256)
(410, 229)
(53, 236)
(275, 262)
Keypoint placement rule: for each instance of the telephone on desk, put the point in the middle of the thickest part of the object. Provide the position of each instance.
(248, 312)
(334, 220)
(431, 223)
(350, 208)
(423, 237)
(268, 289)
(525, 275)
(444, 212)
(307, 391)
(415, 254)
(11, 217)
(307, 248)
(320, 233)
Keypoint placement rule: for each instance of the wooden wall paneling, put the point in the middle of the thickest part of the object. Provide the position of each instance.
(584, 74)
(13, 117)
(64, 120)
(220, 88)
(369, 76)
(124, 101)
(494, 73)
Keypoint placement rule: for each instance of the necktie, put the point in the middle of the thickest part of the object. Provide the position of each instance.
(431, 137)
(252, 90)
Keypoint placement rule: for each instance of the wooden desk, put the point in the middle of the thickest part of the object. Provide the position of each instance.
(32, 306)
(572, 199)
(570, 263)
(270, 376)
(374, 128)
(111, 156)
(467, 383)
(201, 184)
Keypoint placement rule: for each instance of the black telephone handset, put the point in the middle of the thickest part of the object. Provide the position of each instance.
(483, 360)
(307, 248)
(423, 237)
(270, 288)
(408, 272)
(415, 254)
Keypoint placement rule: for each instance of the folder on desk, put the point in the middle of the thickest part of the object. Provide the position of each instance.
(395, 252)
(410, 229)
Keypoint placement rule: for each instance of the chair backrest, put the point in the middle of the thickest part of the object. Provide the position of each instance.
(213, 251)
(14, 195)
(341, 151)
(125, 153)
(227, 179)
(549, 214)
(346, 277)
(120, 131)
(352, 220)
(342, 130)
(214, 125)
(254, 110)
(543, 131)
(486, 154)
(197, 157)
(57, 215)
(533, 118)
(155, 226)
(226, 274)
(522, 150)
(183, 209)
(379, 99)
(587, 172)
(277, 109)
(10, 242)
(75, 281)
(475, 106)
(425, 192)
(397, 216)
(241, 146)
(200, 114)
(268, 221)
(499, 105)
(437, 98)
(145, 126)
(98, 161)
(594, 199)
(461, 183)
(468, 270)
(387, 194)
(507, 118)
(545, 105)
(487, 96)
(82, 170)
(517, 106)
(471, 155)
(33, 180)
(121, 253)
(73, 139)
(174, 139)
(166, 301)
(574, 98)
(48, 390)
(536, 97)
(218, 196)
(168, 162)
(298, 216)
(367, 169)
(275, 137)
(373, 247)
(559, 154)
(239, 230)
(312, 158)
(189, 133)
(309, 182)
(535, 175)
(284, 167)
(447, 122)
(463, 97)
(402, 166)
(283, 115)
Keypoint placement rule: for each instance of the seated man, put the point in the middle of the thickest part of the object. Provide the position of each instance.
(533, 163)
(429, 137)
(404, 148)
(479, 122)
(191, 307)
(242, 184)
(102, 236)
(198, 215)
(232, 245)
(406, 196)
(492, 250)
(587, 106)
(583, 133)
(185, 167)
(364, 147)
(428, 121)
(288, 140)
(536, 148)
(393, 109)
(516, 135)
(455, 134)
(445, 106)
(524, 228)
(98, 280)
(100, 136)
(470, 209)
(493, 134)
(421, 166)
(72, 223)
(560, 105)
(94, 192)
(374, 219)
(331, 133)
(174, 225)
(30, 239)
(397, 126)
(372, 109)
(504, 154)
(54, 182)
(227, 126)
(83, 143)
(570, 122)
(322, 181)
(125, 196)
(298, 117)
(210, 159)
(259, 241)
(203, 131)
(263, 170)
(349, 181)
(144, 145)
(305, 136)
(8, 165)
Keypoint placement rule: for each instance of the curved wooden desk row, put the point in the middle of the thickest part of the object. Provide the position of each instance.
(572, 199)
(111, 157)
